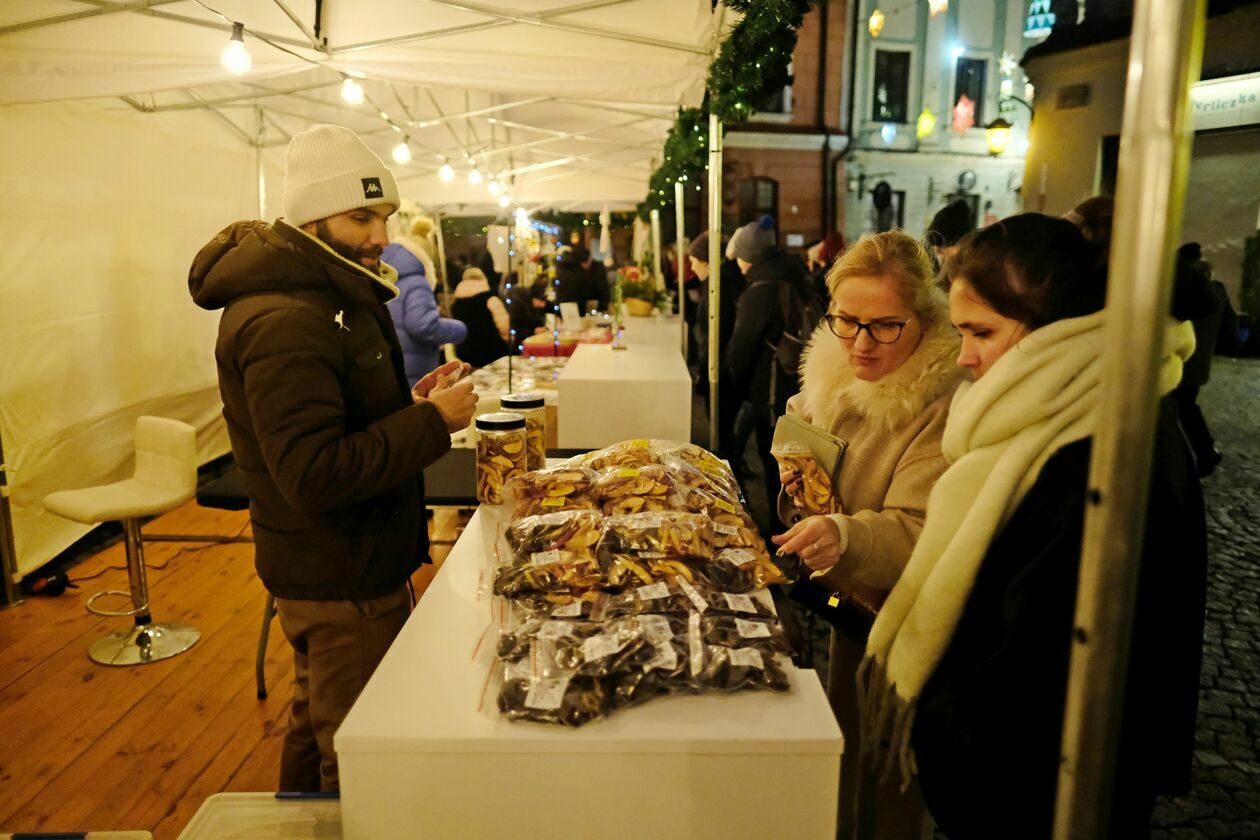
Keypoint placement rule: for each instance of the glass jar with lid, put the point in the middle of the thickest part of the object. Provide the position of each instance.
(533, 407)
(500, 454)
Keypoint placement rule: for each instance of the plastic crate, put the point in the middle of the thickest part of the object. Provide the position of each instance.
(263, 816)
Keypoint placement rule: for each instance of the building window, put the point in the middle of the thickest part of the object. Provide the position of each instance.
(777, 104)
(758, 197)
(969, 82)
(891, 94)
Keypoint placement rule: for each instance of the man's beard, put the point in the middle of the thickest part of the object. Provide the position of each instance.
(347, 250)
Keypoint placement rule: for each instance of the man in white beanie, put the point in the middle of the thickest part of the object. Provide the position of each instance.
(330, 440)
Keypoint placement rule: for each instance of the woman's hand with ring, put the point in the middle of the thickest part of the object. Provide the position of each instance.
(815, 539)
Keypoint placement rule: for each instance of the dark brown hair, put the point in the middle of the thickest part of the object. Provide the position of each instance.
(1032, 268)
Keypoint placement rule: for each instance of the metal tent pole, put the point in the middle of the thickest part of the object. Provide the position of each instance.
(8, 554)
(715, 269)
(658, 277)
(1165, 55)
(260, 137)
(682, 265)
(441, 265)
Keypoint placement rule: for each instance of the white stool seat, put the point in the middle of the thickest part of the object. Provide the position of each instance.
(129, 499)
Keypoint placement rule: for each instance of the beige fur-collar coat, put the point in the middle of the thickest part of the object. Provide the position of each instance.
(893, 428)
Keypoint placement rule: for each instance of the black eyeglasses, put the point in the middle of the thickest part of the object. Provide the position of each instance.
(882, 332)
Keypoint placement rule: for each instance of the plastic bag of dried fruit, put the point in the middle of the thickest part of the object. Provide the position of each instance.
(814, 495)
(628, 453)
(620, 491)
(551, 490)
(552, 552)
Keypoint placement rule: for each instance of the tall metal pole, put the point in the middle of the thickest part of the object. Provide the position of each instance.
(715, 270)
(658, 277)
(682, 265)
(8, 554)
(1165, 55)
(441, 264)
(260, 137)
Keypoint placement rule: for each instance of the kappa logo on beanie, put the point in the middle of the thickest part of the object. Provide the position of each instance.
(372, 188)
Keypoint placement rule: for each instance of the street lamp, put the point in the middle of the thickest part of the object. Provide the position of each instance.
(997, 135)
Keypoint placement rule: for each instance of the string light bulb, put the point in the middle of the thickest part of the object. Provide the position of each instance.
(446, 173)
(876, 24)
(352, 92)
(235, 57)
(495, 187)
(936, 7)
(504, 201)
(402, 153)
(474, 176)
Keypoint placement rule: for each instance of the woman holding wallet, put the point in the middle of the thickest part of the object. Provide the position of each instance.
(879, 375)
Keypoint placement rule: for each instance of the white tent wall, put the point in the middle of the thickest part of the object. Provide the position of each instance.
(104, 209)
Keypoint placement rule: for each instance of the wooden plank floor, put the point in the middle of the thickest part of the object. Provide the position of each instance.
(89, 747)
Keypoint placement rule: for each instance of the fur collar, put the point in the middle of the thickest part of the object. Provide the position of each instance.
(828, 384)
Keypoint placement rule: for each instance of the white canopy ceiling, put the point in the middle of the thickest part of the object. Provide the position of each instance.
(567, 101)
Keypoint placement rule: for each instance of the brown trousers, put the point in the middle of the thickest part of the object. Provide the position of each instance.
(336, 647)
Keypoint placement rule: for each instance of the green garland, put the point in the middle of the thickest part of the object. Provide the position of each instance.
(752, 64)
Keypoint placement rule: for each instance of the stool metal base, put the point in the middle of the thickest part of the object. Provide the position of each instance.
(143, 644)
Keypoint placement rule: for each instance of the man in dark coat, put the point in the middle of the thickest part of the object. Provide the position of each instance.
(759, 319)
(578, 282)
(330, 441)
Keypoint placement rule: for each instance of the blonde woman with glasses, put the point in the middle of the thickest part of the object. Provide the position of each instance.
(878, 374)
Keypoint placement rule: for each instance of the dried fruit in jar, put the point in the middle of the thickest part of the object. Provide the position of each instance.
(500, 457)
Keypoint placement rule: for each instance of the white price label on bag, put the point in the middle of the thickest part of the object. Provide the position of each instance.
(752, 629)
(573, 610)
(738, 556)
(555, 629)
(666, 658)
(547, 694)
(597, 647)
(696, 597)
(747, 658)
(739, 603)
(656, 628)
(652, 592)
(725, 530)
(545, 558)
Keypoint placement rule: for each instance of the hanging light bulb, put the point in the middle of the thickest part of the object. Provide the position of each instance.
(235, 58)
(876, 24)
(447, 173)
(926, 124)
(352, 91)
(495, 187)
(936, 7)
(402, 152)
(504, 201)
(474, 176)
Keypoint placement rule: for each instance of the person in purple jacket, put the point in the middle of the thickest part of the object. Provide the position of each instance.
(421, 330)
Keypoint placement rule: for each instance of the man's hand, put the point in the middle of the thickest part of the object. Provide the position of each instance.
(456, 404)
(815, 539)
(442, 377)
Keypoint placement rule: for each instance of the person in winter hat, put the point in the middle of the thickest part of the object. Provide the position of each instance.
(950, 224)
(330, 439)
(750, 356)
(421, 329)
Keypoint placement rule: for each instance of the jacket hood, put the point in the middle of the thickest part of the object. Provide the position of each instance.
(471, 288)
(827, 380)
(251, 257)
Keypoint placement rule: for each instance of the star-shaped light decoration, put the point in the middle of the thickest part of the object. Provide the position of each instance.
(936, 7)
(926, 124)
(1008, 64)
(876, 24)
(964, 114)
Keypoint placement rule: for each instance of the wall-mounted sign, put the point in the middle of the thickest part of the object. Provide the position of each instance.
(1226, 103)
(1040, 19)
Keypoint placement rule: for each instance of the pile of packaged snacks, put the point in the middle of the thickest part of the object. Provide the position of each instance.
(622, 490)
(550, 490)
(572, 672)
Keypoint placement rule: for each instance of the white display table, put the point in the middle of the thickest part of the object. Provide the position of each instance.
(417, 758)
(654, 330)
(609, 395)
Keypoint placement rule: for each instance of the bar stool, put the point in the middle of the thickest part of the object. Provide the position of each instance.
(165, 477)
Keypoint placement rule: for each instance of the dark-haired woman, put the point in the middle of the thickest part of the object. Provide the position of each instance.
(966, 668)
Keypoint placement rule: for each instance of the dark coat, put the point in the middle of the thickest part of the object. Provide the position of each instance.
(330, 447)
(576, 284)
(749, 355)
(988, 728)
(421, 329)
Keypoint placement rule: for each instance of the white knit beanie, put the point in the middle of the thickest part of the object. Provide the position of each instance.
(328, 170)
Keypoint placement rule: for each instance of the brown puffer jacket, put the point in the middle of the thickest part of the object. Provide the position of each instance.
(329, 444)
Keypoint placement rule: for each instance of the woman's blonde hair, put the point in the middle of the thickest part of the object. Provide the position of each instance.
(901, 259)
(422, 227)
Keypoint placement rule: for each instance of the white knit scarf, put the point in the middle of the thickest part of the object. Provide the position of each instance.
(1040, 396)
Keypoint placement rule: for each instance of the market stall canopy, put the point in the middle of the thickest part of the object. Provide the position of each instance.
(565, 103)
